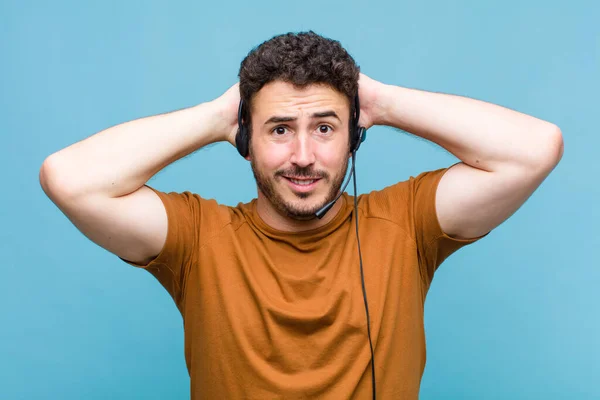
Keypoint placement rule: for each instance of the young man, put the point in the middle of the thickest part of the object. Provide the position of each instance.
(271, 296)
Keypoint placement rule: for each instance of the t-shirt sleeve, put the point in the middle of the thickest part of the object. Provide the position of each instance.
(433, 245)
(171, 266)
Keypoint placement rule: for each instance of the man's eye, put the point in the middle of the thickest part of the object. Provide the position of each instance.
(324, 128)
(280, 130)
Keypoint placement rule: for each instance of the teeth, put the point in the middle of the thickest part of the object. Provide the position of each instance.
(302, 182)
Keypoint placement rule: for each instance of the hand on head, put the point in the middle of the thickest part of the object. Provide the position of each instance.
(227, 105)
(370, 95)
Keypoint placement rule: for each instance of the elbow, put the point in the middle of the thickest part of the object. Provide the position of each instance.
(557, 146)
(44, 176)
(52, 181)
(550, 149)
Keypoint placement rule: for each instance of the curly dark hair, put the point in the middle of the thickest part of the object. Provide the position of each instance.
(301, 59)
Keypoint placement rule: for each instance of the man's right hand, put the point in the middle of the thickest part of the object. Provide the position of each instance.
(227, 105)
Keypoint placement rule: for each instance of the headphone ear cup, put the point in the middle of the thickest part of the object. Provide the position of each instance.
(241, 138)
(353, 139)
(360, 137)
(241, 142)
(356, 134)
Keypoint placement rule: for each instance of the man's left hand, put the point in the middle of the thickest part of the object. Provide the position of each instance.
(372, 105)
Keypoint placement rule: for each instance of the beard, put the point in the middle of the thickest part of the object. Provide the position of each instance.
(299, 209)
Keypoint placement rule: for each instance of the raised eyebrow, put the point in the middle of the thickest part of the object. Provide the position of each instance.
(324, 114)
(278, 119)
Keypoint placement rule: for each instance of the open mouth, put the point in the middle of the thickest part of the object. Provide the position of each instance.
(302, 184)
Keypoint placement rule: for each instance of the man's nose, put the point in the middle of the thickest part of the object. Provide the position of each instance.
(303, 149)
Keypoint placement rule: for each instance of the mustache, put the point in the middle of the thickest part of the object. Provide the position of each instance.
(306, 173)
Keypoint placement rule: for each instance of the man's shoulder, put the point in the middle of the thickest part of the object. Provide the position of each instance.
(207, 212)
(396, 201)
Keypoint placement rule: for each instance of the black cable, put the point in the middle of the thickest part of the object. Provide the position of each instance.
(362, 276)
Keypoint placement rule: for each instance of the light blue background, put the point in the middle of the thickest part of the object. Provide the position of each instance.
(514, 316)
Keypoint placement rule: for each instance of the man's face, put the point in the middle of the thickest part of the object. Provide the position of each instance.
(299, 134)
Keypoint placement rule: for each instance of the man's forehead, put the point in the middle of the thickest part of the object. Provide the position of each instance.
(310, 99)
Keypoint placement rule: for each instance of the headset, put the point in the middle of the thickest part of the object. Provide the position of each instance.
(358, 134)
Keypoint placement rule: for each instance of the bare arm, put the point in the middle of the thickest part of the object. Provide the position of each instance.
(98, 183)
(505, 154)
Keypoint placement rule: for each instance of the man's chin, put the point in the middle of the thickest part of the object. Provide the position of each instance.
(302, 209)
(302, 212)
(298, 206)
(302, 217)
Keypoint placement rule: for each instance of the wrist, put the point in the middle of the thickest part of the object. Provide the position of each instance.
(225, 112)
(216, 119)
(384, 105)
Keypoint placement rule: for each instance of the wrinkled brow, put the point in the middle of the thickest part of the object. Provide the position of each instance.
(277, 118)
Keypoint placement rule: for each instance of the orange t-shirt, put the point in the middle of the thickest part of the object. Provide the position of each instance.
(275, 315)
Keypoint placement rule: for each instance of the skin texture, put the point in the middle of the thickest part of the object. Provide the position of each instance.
(306, 147)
